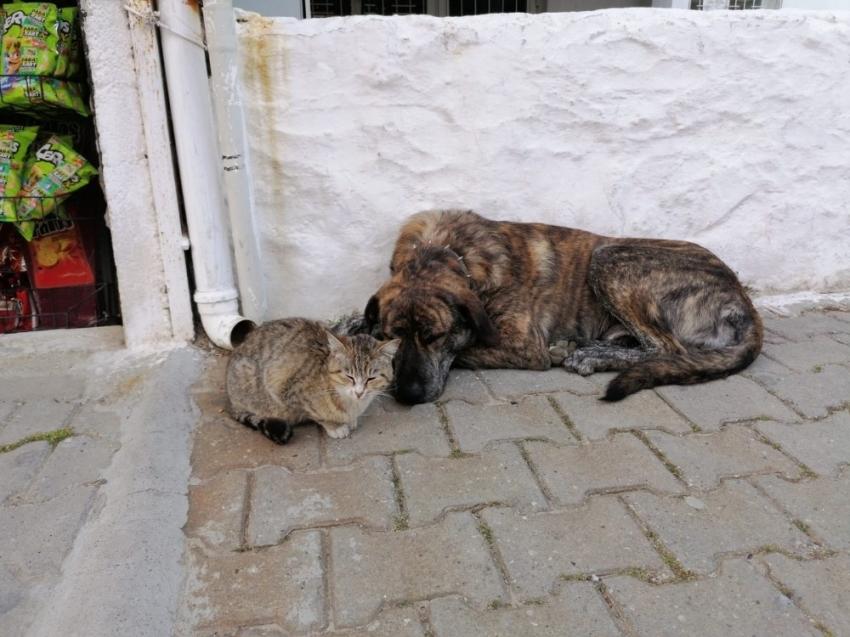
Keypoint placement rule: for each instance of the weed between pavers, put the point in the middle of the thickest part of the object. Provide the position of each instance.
(496, 604)
(671, 561)
(566, 419)
(659, 454)
(800, 524)
(457, 453)
(486, 532)
(53, 437)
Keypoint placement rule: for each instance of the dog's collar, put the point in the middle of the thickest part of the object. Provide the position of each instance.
(455, 255)
(460, 261)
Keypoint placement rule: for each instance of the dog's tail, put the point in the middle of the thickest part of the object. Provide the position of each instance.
(689, 368)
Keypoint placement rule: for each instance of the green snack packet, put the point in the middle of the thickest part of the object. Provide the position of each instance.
(30, 39)
(53, 172)
(14, 144)
(68, 48)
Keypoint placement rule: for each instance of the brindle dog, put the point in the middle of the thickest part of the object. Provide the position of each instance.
(476, 293)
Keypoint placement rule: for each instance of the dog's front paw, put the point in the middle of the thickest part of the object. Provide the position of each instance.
(580, 364)
(338, 432)
(559, 350)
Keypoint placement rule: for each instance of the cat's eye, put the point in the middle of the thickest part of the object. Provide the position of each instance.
(370, 379)
(350, 377)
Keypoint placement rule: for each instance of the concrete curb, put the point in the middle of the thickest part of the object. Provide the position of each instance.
(124, 573)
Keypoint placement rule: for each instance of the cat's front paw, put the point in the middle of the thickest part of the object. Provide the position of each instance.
(338, 432)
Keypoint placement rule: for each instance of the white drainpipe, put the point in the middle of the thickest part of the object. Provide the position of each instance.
(227, 99)
(200, 172)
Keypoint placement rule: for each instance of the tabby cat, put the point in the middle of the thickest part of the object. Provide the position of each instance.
(295, 370)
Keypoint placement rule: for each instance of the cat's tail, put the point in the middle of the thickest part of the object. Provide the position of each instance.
(275, 429)
(689, 368)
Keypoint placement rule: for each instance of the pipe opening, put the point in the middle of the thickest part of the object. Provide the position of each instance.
(240, 332)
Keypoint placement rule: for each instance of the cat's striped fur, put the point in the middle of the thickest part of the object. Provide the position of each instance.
(295, 370)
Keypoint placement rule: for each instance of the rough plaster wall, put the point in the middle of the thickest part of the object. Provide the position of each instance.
(125, 174)
(730, 129)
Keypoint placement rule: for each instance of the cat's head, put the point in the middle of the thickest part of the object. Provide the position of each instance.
(360, 366)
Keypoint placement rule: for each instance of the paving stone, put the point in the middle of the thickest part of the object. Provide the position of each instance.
(734, 517)
(212, 378)
(820, 587)
(811, 393)
(282, 501)
(389, 427)
(216, 510)
(823, 504)
(510, 383)
(644, 410)
(434, 485)
(578, 609)
(807, 325)
(393, 622)
(475, 427)
(78, 460)
(732, 399)
(280, 585)
(59, 386)
(35, 538)
(823, 446)
(464, 385)
(18, 468)
(6, 408)
(809, 354)
(735, 451)
(624, 462)
(20, 603)
(538, 549)
(373, 569)
(35, 416)
(97, 422)
(222, 444)
(736, 602)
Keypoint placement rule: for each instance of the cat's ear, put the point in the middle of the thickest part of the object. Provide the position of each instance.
(336, 345)
(390, 347)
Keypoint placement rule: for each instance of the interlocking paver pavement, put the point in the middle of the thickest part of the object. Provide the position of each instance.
(721, 506)
(818, 586)
(621, 463)
(738, 601)
(734, 518)
(539, 549)
(645, 410)
(434, 485)
(823, 446)
(521, 505)
(703, 459)
(577, 609)
(734, 399)
(822, 503)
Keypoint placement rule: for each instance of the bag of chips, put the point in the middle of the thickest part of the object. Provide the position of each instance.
(14, 144)
(68, 49)
(30, 38)
(53, 172)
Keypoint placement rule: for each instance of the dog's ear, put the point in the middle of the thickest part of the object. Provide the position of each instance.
(371, 313)
(472, 311)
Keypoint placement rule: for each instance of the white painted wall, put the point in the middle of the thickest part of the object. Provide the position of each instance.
(728, 129)
(151, 270)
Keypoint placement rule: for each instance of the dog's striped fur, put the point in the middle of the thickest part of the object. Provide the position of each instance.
(472, 292)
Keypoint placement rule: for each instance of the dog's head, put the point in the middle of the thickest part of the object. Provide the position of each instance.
(429, 305)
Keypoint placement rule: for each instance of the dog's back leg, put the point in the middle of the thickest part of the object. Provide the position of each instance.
(685, 307)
